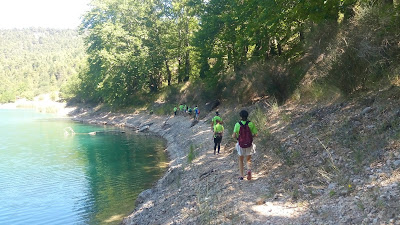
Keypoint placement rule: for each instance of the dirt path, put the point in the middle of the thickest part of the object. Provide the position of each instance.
(206, 190)
(297, 181)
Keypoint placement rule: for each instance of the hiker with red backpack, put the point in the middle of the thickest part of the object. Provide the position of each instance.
(244, 131)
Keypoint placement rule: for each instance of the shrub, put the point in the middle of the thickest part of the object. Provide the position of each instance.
(191, 154)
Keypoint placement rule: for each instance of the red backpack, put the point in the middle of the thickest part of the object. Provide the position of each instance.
(245, 137)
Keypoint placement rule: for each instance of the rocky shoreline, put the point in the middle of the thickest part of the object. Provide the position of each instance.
(314, 181)
(337, 163)
(319, 164)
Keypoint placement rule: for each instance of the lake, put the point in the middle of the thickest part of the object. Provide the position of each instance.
(49, 176)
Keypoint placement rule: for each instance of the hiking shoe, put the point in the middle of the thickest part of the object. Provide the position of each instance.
(249, 175)
(240, 178)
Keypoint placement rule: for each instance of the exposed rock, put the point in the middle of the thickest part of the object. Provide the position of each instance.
(144, 128)
(366, 110)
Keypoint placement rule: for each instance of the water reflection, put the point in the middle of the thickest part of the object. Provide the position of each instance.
(49, 178)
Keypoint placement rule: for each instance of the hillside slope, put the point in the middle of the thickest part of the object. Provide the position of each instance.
(337, 163)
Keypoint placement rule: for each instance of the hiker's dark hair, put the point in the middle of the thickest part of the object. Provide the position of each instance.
(217, 113)
(244, 114)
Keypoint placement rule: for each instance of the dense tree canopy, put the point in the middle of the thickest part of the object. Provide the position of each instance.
(34, 61)
(137, 47)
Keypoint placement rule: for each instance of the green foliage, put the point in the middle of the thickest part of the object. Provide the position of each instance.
(135, 46)
(191, 154)
(369, 54)
(222, 49)
(35, 61)
(259, 118)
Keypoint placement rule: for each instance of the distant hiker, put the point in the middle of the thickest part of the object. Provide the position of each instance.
(175, 109)
(185, 108)
(181, 109)
(244, 131)
(218, 133)
(190, 111)
(214, 120)
(196, 113)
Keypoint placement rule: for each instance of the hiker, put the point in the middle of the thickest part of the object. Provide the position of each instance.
(244, 131)
(218, 133)
(196, 113)
(181, 109)
(190, 111)
(214, 120)
(175, 110)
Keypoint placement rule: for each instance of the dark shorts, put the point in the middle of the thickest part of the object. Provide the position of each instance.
(217, 139)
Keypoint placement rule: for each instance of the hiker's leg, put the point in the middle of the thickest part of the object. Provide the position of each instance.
(215, 145)
(248, 159)
(241, 165)
(219, 143)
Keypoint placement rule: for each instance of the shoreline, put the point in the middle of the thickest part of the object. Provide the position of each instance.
(42, 104)
(206, 189)
(201, 191)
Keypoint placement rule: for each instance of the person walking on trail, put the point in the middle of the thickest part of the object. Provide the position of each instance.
(175, 110)
(190, 111)
(214, 120)
(196, 113)
(218, 133)
(244, 131)
(181, 109)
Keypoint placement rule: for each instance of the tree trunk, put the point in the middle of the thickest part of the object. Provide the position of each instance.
(180, 58)
(187, 66)
(187, 54)
(169, 75)
(279, 46)
(272, 48)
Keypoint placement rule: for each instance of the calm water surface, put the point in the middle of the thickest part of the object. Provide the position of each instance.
(47, 177)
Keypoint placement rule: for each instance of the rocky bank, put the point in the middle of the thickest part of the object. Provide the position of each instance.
(337, 163)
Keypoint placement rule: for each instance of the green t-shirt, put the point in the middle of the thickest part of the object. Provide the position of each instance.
(218, 128)
(215, 119)
(175, 109)
(252, 127)
(181, 107)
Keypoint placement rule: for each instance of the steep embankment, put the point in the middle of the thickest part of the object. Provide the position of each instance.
(337, 163)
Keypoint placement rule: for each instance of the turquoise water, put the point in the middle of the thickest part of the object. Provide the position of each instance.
(47, 177)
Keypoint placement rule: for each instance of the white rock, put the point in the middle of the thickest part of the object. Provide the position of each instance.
(366, 110)
(370, 186)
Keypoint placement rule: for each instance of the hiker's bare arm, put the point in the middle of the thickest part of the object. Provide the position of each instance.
(234, 135)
